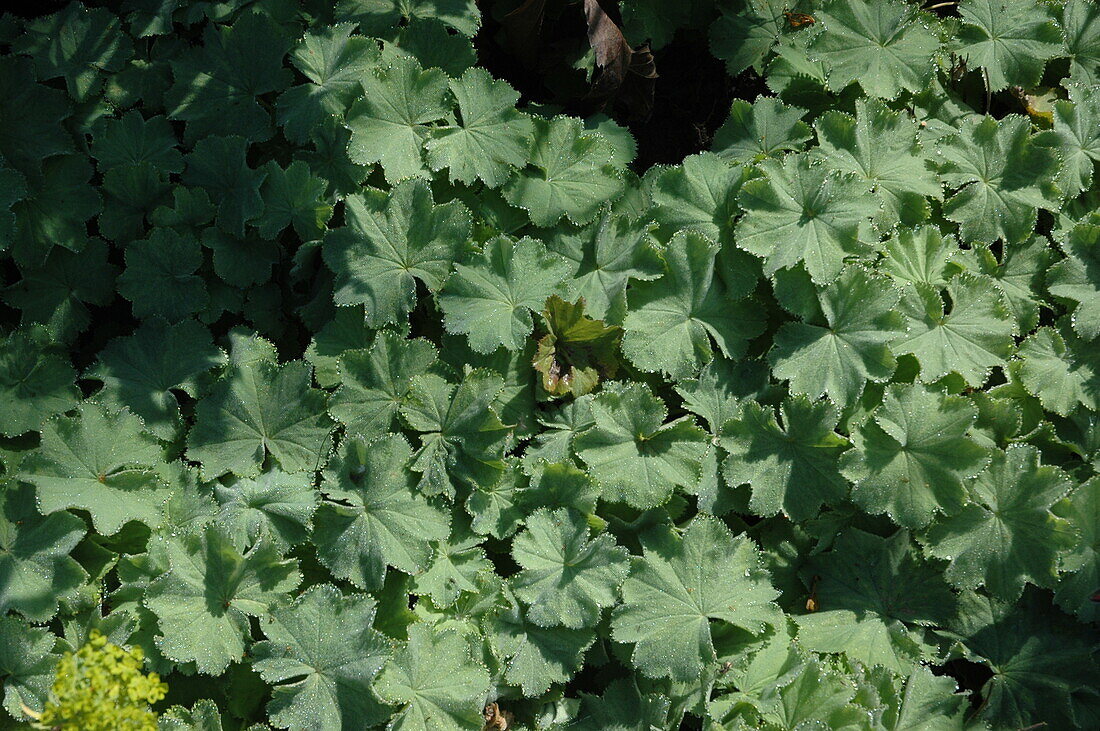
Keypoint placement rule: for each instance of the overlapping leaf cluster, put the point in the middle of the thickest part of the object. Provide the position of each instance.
(354, 394)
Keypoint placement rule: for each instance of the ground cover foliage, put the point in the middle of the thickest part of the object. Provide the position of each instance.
(351, 388)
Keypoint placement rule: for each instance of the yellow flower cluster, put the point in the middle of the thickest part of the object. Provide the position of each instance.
(101, 687)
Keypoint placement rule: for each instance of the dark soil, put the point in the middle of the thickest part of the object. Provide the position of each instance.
(691, 100)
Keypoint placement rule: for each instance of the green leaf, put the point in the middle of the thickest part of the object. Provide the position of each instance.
(219, 165)
(570, 173)
(1007, 535)
(56, 209)
(346, 330)
(701, 194)
(435, 681)
(633, 454)
(330, 158)
(1076, 278)
(202, 716)
(910, 459)
(458, 566)
(1081, 565)
(839, 358)
(880, 146)
(374, 383)
(803, 212)
(293, 196)
(160, 279)
(142, 370)
(27, 665)
(675, 593)
(566, 578)
(35, 558)
(1001, 178)
(717, 392)
(621, 706)
(920, 255)
(462, 440)
(1081, 24)
(1060, 369)
(13, 188)
(256, 409)
(816, 696)
(1010, 41)
(390, 241)
(100, 460)
(577, 351)
(58, 293)
(78, 45)
(745, 34)
(383, 520)
(489, 299)
(130, 194)
(607, 254)
(241, 262)
(672, 320)
(218, 84)
(1038, 657)
(36, 381)
(765, 128)
(321, 655)
(203, 602)
(976, 335)
(492, 137)
(30, 127)
(1018, 272)
(864, 610)
(433, 44)
(333, 60)
(275, 505)
(378, 17)
(1076, 136)
(535, 657)
(388, 124)
(132, 140)
(791, 467)
(925, 699)
(885, 46)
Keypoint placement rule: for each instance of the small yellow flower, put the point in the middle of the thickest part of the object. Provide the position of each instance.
(101, 687)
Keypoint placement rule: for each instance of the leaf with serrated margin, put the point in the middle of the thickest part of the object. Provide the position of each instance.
(671, 321)
(320, 656)
(675, 593)
(1077, 279)
(389, 123)
(100, 460)
(1000, 176)
(380, 519)
(571, 173)
(973, 337)
(1011, 41)
(838, 358)
(884, 46)
(567, 578)
(390, 241)
(258, 409)
(633, 454)
(910, 459)
(490, 296)
(374, 382)
(1006, 536)
(791, 467)
(491, 138)
(802, 212)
